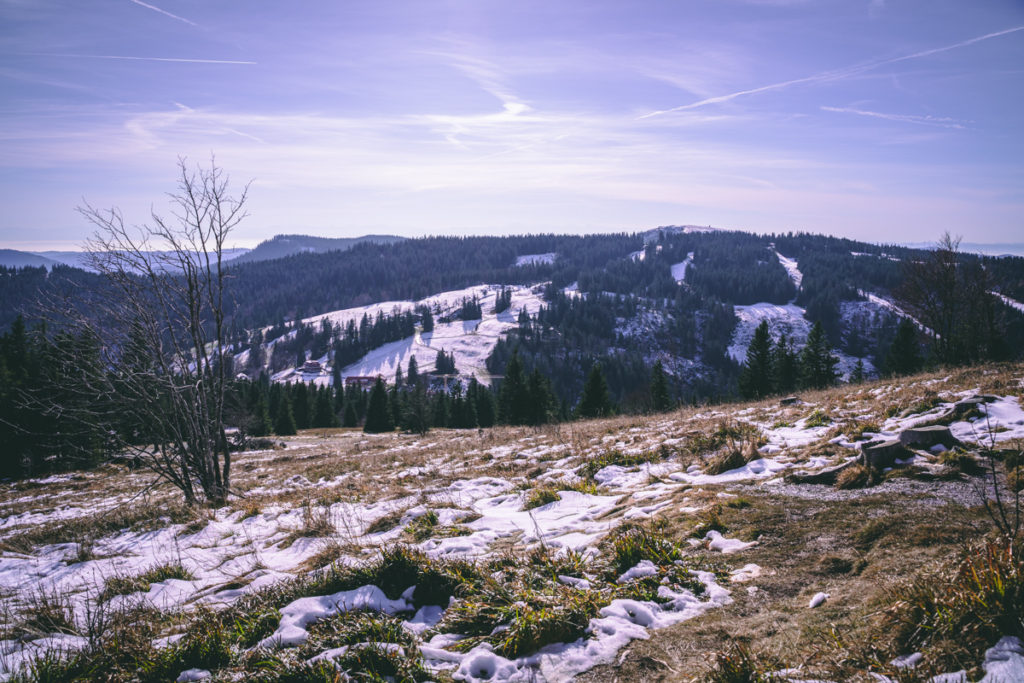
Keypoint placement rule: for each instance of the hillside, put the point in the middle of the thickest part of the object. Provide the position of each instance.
(631, 549)
(281, 246)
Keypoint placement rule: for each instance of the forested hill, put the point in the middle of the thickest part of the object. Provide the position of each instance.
(281, 246)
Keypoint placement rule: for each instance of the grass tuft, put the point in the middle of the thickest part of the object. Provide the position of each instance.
(126, 585)
(540, 496)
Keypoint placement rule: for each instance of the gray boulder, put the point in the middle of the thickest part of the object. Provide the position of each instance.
(882, 454)
(926, 437)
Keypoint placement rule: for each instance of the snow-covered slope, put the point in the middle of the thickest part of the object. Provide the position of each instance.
(679, 269)
(469, 341)
(788, 319)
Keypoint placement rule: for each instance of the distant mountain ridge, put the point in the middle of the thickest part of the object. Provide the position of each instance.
(281, 246)
(12, 258)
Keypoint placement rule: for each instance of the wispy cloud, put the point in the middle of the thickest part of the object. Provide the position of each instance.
(164, 12)
(939, 121)
(143, 59)
(833, 75)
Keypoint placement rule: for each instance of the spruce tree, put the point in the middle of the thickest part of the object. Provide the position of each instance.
(284, 425)
(416, 416)
(756, 375)
(323, 415)
(378, 412)
(300, 405)
(483, 403)
(541, 401)
(427, 318)
(412, 377)
(904, 357)
(441, 412)
(817, 362)
(857, 376)
(513, 397)
(785, 366)
(661, 401)
(595, 401)
(351, 419)
(261, 424)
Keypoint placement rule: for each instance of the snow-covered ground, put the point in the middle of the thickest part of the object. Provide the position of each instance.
(679, 269)
(470, 341)
(791, 267)
(536, 259)
(479, 481)
(1012, 303)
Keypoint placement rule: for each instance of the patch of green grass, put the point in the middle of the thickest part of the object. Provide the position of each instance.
(955, 615)
(632, 544)
(45, 614)
(126, 585)
(617, 457)
(739, 665)
(817, 418)
(961, 461)
(539, 496)
(732, 434)
(422, 527)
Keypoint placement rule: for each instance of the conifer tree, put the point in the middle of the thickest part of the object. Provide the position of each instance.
(300, 405)
(595, 401)
(351, 419)
(416, 416)
(785, 366)
(441, 412)
(261, 424)
(483, 403)
(817, 362)
(513, 398)
(378, 412)
(284, 425)
(756, 376)
(541, 401)
(904, 357)
(661, 400)
(323, 415)
(412, 377)
(427, 319)
(857, 376)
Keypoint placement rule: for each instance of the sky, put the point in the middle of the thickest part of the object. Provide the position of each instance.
(880, 120)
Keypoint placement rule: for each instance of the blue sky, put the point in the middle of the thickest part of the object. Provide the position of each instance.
(881, 120)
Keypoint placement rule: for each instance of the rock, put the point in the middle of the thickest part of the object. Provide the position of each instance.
(825, 476)
(882, 454)
(789, 401)
(986, 398)
(928, 437)
(966, 405)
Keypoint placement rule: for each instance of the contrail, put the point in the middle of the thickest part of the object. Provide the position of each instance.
(144, 59)
(833, 75)
(164, 12)
(940, 121)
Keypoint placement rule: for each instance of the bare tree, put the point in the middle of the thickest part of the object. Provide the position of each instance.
(951, 297)
(160, 322)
